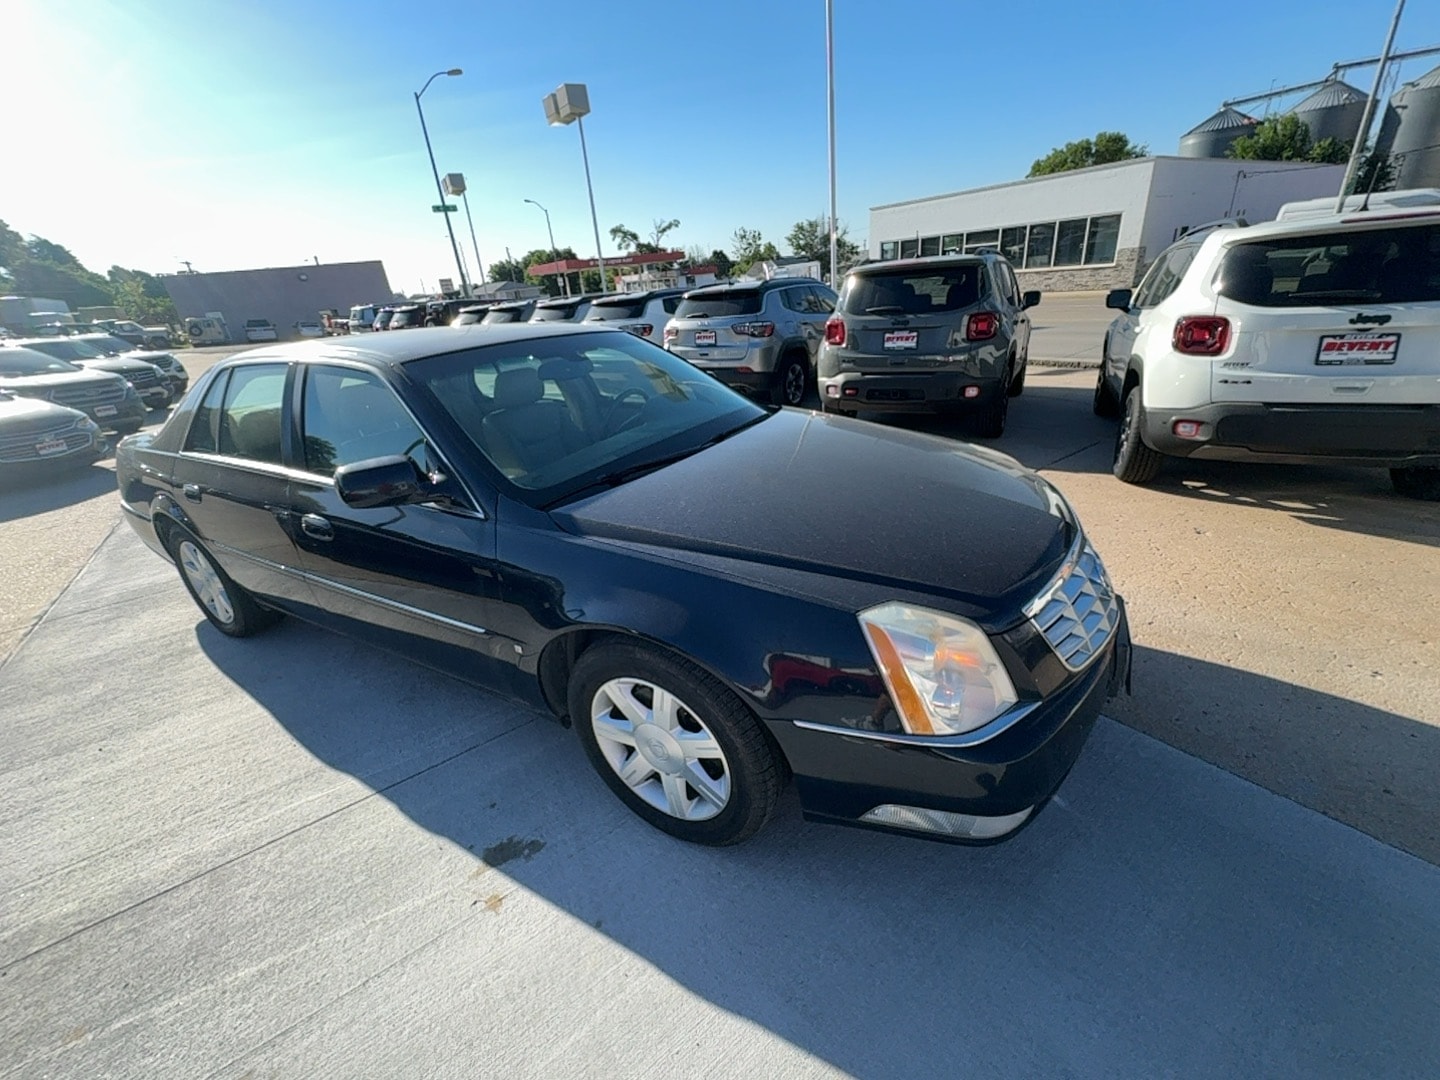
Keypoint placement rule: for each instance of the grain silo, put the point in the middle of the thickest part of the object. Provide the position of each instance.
(1411, 132)
(1334, 111)
(1212, 136)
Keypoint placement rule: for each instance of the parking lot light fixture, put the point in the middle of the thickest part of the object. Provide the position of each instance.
(564, 278)
(570, 104)
(439, 191)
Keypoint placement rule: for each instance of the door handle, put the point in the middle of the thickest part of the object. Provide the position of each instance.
(191, 492)
(316, 527)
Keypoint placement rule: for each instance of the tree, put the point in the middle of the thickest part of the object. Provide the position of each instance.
(1375, 173)
(658, 229)
(749, 247)
(721, 262)
(1106, 147)
(141, 296)
(625, 239)
(507, 270)
(1286, 138)
(810, 239)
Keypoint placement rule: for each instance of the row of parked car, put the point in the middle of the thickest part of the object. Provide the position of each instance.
(61, 395)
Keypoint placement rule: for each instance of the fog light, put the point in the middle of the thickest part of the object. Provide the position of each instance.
(833, 390)
(1187, 429)
(972, 391)
(852, 391)
(965, 826)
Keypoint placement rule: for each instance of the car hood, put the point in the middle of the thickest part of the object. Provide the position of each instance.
(851, 499)
(26, 412)
(119, 365)
(29, 384)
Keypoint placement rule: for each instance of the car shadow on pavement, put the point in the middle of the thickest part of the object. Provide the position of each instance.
(42, 494)
(1162, 917)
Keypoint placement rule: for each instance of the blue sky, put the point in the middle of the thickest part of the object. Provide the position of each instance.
(270, 131)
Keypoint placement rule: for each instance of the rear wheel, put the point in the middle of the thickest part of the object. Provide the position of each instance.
(990, 424)
(230, 609)
(1017, 384)
(1417, 482)
(1104, 404)
(1135, 463)
(674, 743)
(792, 379)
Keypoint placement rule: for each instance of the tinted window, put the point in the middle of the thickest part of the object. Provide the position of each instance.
(1012, 244)
(953, 244)
(351, 416)
(25, 361)
(914, 293)
(612, 310)
(985, 238)
(1004, 284)
(1040, 245)
(819, 300)
(555, 312)
(467, 318)
(890, 249)
(670, 303)
(909, 248)
(1070, 243)
(720, 305)
(66, 349)
(795, 299)
(1104, 235)
(502, 315)
(207, 417)
(1165, 276)
(930, 245)
(1374, 266)
(250, 415)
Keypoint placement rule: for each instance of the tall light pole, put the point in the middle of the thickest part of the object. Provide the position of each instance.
(1364, 132)
(479, 266)
(454, 247)
(564, 278)
(569, 104)
(830, 92)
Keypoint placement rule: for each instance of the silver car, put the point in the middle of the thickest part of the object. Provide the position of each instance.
(759, 337)
(946, 334)
(643, 314)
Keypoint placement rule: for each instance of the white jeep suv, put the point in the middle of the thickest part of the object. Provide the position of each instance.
(1312, 338)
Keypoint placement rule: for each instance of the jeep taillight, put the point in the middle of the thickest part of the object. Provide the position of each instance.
(1201, 335)
(640, 329)
(671, 334)
(835, 331)
(982, 326)
(753, 329)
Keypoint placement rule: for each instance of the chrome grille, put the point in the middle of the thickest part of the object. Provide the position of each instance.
(142, 379)
(21, 447)
(1078, 612)
(89, 395)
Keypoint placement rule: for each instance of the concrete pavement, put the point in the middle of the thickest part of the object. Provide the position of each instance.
(294, 856)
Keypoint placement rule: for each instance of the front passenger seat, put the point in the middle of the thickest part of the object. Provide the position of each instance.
(526, 432)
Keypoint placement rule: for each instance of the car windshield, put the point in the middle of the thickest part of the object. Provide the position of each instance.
(558, 415)
(1399, 265)
(257, 324)
(383, 318)
(613, 310)
(914, 292)
(108, 343)
(720, 305)
(67, 349)
(360, 314)
(502, 315)
(27, 361)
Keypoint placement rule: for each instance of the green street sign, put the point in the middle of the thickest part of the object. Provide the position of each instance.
(444, 208)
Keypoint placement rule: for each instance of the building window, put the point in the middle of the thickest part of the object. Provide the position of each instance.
(952, 244)
(889, 249)
(909, 248)
(1012, 245)
(1104, 236)
(1040, 246)
(1070, 243)
(930, 245)
(984, 238)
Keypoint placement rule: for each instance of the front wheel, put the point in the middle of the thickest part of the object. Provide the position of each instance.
(792, 378)
(1104, 404)
(1135, 463)
(1417, 482)
(230, 609)
(674, 743)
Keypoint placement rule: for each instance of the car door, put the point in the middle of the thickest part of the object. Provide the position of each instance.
(418, 578)
(1159, 282)
(809, 315)
(232, 485)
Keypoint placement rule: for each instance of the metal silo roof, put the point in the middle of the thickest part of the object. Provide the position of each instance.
(1427, 81)
(1333, 93)
(1226, 120)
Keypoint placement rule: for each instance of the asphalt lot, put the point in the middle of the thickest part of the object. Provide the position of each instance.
(296, 856)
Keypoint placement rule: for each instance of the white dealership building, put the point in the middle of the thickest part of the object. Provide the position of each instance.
(1095, 228)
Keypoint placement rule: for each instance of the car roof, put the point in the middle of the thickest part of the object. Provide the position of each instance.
(388, 350)
(748, 286)
(927, 262)
(561, 301)
(634, 297)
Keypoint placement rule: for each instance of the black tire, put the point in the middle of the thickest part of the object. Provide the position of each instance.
(1104, 404)
(246, 617)
(990, 423)
(1135, 463)
(1017, 384)
(1417, 482)
(792, 379)
(749, 763)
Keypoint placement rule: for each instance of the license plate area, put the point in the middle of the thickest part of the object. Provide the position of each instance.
(49, 447)
(105, 410)
(1346, 350)
(901, 339)
(704, 337)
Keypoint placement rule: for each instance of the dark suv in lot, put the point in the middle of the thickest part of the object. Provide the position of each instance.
(929, 335)
(759, 337)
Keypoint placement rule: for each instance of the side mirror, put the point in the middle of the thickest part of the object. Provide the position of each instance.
(382, 481)
(1029, 299)
(1119, 299)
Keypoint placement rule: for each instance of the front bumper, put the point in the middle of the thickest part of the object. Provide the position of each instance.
(131, 412)
(842, 777)
(918, 392)
(56, 463)
(1387, 436)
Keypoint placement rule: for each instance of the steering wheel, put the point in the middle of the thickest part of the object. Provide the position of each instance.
(615, 405)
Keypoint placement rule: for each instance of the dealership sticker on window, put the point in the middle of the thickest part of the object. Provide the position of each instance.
(1338, 349)
(902, 339)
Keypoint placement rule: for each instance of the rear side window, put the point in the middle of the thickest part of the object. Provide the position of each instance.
(915, 293)
(1165, 276)
(201, 436)
(721, 305)
(501, 315)
(1398, 265)
(250, 415)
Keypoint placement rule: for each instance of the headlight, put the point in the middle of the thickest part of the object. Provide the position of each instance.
(85, 424)
(942, 672)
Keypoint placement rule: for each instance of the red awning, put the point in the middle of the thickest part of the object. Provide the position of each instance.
(569, 266)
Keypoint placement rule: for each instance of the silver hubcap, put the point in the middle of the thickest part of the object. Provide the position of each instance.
(206, 582)
(661, 749)
(1127, 424)
(794, 384)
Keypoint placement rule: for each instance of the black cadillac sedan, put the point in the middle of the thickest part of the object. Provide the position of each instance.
(715, 595)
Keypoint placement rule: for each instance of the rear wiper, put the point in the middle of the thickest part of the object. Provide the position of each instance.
(885, 309)
(698, 315)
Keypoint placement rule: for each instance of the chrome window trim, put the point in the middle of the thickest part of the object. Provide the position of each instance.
(1002, 723)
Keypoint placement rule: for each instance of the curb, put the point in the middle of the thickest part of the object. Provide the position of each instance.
(1037, 362)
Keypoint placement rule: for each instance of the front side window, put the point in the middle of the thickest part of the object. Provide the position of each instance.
(1165, 276)
(250, 416)
(350, 415)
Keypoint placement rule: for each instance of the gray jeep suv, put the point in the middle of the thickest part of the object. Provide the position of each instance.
(759, 337)
(929, 335)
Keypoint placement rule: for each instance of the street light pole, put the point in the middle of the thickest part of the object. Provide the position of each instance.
(830, 91)
(454, 247)
(564, 278)
(590, 190)
(479, 266)
(570, 104)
